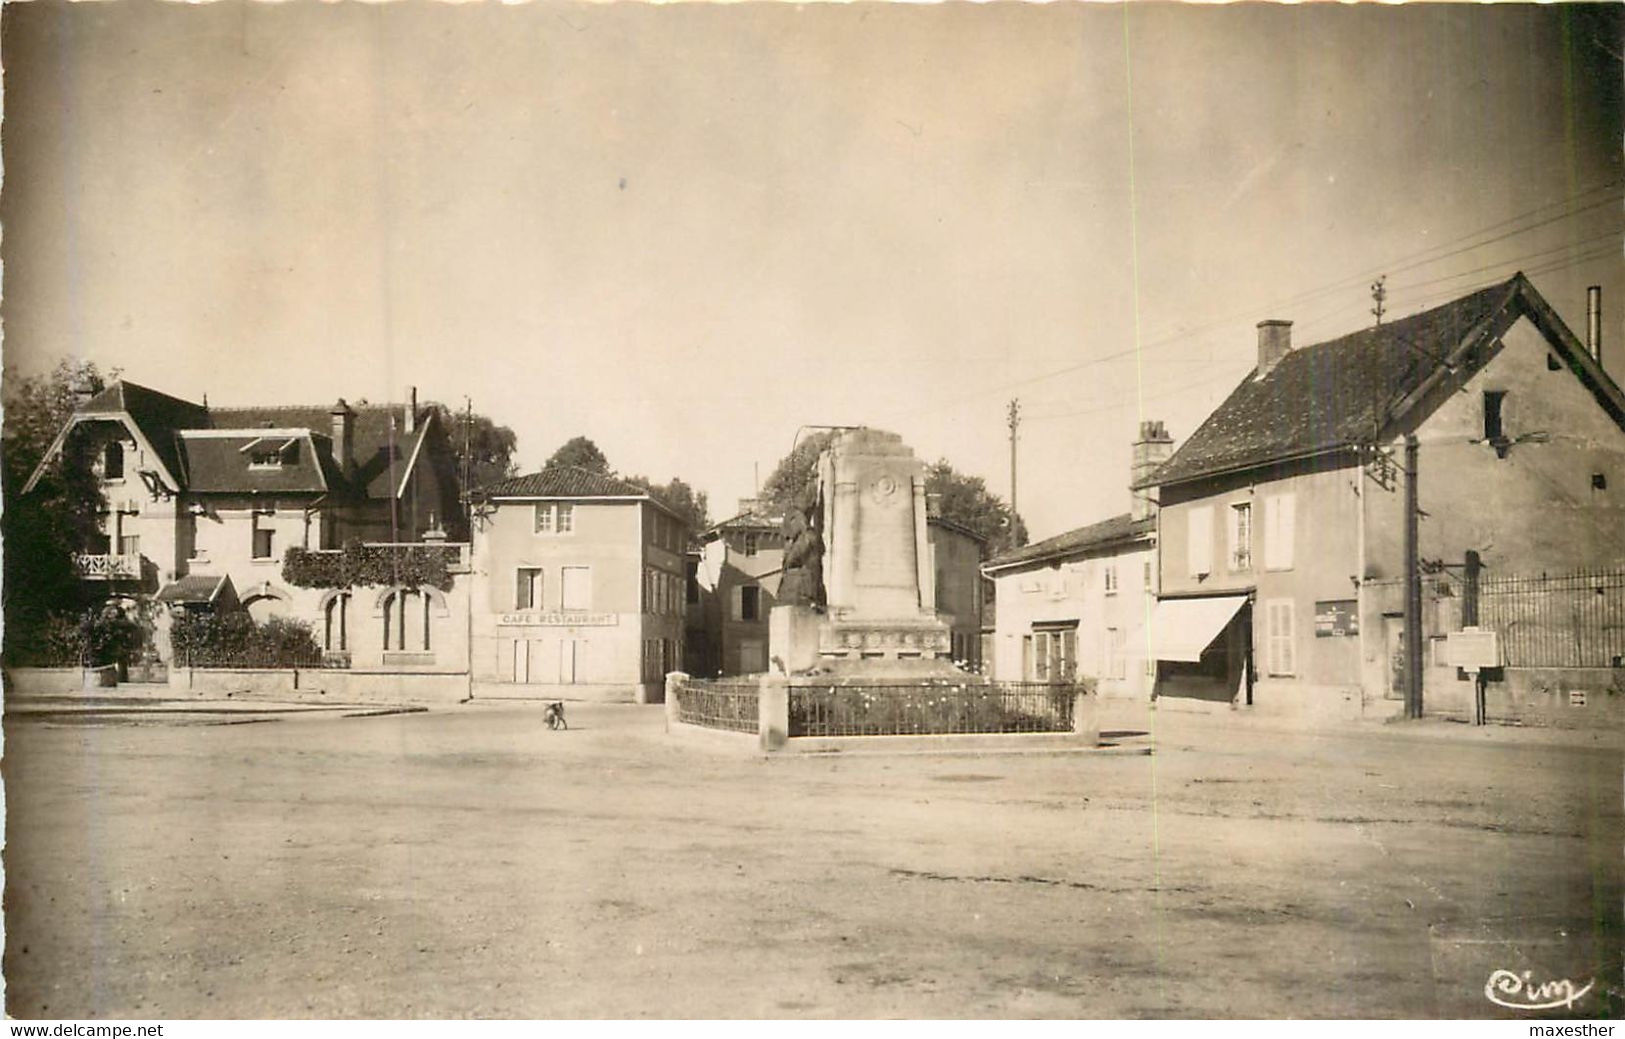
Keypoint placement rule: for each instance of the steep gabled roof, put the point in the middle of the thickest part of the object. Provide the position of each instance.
(376, 427)
(206, 464)
(1356, 389)
(220, 464)
(1096, 537)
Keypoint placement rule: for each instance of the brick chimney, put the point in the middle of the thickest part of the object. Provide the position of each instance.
(1153, 448)
(1274, 340)
(344, 437)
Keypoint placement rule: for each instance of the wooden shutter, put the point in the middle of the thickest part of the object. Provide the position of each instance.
(1282, 653)
(1199, 540)
(1279, 521)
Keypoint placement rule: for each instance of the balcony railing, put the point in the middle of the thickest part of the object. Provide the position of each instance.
(105, 567)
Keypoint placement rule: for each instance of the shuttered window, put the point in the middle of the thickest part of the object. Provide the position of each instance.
(1199, 540)
(1281, 656)
(1279, 520)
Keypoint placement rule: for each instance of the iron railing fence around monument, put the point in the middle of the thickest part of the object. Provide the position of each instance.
(721, 703)
(932, 708)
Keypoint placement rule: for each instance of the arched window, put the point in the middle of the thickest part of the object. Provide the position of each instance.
(336, 630)
(407, 621)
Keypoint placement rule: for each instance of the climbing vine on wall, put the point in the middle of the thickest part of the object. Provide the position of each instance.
(357, 564)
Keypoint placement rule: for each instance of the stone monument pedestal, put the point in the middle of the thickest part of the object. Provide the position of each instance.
(792, 639)
(881, 618)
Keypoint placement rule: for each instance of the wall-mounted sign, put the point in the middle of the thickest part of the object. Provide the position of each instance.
(1336, 617)
(559, 619)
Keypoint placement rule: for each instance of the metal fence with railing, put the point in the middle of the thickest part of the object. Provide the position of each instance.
(719, 703)
(260, 660)
(1567, 620)
(932, 708)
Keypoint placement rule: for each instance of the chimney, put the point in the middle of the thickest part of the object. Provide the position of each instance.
(1594, 323)
(1274, 340)
(748, 506)
(411, 422)
(1153, 448)
(344, 437)
(82, 390)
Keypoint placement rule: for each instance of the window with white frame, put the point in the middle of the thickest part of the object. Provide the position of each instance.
(1199, 540)
(1241, 536)
(750, 545)
(554, 517)
(575, 588)
(264, 536)
(1279, 520)
(1280, 644)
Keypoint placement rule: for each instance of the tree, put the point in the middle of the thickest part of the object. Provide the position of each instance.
(483, 449)
(963, 499)
(967, 501)
(46, 527)
(683, 499)
(793, 480)
(581, 453)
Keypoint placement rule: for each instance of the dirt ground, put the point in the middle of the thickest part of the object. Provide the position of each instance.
(468, 862)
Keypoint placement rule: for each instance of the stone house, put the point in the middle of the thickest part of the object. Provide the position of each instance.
(737, 580)
(1282, 518)
(740, 562)
(203, 505)
(579, 588)
(1075, 605)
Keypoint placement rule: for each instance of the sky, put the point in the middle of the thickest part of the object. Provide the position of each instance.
(687, 231)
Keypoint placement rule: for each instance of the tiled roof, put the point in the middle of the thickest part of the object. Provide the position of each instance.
(1348, 391)
(193, 588)
(370, 437)
(1095, 536)
(1330, 394)
(219, 464)
(563, 481)
(749, 521)
(157, 415)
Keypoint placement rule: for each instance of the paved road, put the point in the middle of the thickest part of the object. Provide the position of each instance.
(468, 862)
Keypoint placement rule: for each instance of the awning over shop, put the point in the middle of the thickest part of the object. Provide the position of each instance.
(1182, 628)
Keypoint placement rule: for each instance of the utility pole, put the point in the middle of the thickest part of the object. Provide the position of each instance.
(1014, 421)
(1413, 586)
(1379, 293)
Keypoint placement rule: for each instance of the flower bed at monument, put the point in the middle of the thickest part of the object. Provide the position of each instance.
(932, 708)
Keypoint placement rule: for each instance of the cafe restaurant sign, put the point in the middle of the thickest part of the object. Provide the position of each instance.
(559, 619)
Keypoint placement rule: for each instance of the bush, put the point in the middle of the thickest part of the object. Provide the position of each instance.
(357, 564)
(234, 640)
(929, 709)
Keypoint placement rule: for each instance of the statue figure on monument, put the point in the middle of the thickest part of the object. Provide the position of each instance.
(802, 583)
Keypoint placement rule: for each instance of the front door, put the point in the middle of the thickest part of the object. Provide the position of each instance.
(521, 660)
(752, 657)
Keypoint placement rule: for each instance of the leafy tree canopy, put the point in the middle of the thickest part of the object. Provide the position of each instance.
(581, 453)
(692, 505)
(963, 499)
(482, 448)
(43, 529)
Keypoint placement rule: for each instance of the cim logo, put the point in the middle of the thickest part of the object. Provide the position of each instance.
(1518, 992)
